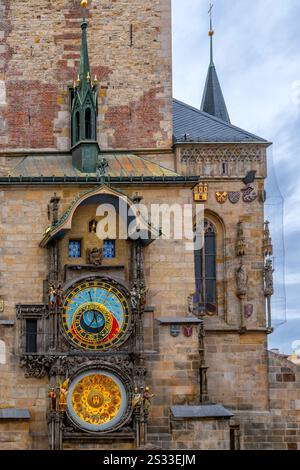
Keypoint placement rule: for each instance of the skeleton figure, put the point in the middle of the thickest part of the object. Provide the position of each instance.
(134, 296)
(147, 396)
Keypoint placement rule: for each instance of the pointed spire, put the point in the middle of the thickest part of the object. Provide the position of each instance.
(85, 148)
(213, 101)
(84, 69)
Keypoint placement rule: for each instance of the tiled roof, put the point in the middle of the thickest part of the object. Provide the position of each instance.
(125, 165)
(192, 125)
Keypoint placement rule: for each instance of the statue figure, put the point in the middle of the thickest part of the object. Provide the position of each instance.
(268, 278)
(94, 256)
(52, 296)
(137, 399)
(53, 209)
(134, 296)
(59, 295)
(63, 393)
(53, 399)
(147, 396)
(242, 281)
(191, 303)
(143, 296)
(102, 166)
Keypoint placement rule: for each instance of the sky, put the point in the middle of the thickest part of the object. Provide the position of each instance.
(257, 56)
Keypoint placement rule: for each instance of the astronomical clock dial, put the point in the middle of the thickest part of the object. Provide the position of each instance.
(95, 315)
(97, 400)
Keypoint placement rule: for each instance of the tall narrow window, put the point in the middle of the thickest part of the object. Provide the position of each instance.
(205, 269)
(88, 123)
(31, 336)
(77, 127)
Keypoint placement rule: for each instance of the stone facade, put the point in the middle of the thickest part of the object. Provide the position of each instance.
(175, 346)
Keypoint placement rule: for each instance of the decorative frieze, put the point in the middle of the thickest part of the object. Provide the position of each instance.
(222, 161)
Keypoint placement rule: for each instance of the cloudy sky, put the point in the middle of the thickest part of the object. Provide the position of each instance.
(257, 55)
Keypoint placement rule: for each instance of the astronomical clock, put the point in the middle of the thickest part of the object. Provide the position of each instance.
(87, 336)
(95, 315)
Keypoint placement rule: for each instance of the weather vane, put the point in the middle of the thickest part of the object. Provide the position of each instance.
(210, 16)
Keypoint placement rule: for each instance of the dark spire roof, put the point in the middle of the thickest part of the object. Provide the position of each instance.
(213, 102)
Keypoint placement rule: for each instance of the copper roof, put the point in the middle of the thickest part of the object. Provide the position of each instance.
(125, 165)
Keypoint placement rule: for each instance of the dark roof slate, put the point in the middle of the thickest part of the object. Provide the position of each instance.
(192, 125)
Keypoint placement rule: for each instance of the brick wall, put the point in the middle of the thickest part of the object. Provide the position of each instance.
(39, 59)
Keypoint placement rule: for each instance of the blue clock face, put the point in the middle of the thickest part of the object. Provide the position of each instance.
(95, 315)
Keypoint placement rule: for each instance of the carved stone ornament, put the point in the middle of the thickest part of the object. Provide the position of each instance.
(267, 240)
(241, 244)
(268, 278)
(94, 256)
(32, 311)
(216, 154)
(242, 281)
(54, 365)
(248, 311)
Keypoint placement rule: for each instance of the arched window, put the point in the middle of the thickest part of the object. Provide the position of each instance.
(77, 127)
(88, 123)
(205, 270)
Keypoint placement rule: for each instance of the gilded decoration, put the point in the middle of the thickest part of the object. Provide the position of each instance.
(97, 400)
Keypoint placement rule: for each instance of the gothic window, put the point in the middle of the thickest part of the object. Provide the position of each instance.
(88, 123)
(75, 249)
(31, 336)
(205, 267)
(109, 249)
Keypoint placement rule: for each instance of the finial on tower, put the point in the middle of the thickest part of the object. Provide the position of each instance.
(84, 3)
(213, 102)
(211, 33)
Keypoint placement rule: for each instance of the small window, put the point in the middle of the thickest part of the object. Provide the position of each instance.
(75, 249)
(77, 126)
(93, 226)
(109, 249)
(88, 123)
(31, 336)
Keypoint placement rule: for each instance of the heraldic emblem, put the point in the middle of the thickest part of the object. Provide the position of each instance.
(221, 197)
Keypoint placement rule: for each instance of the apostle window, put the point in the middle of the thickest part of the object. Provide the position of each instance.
(75, 249)
(109, 249)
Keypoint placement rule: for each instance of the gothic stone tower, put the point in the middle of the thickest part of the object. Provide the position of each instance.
(115, 342)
